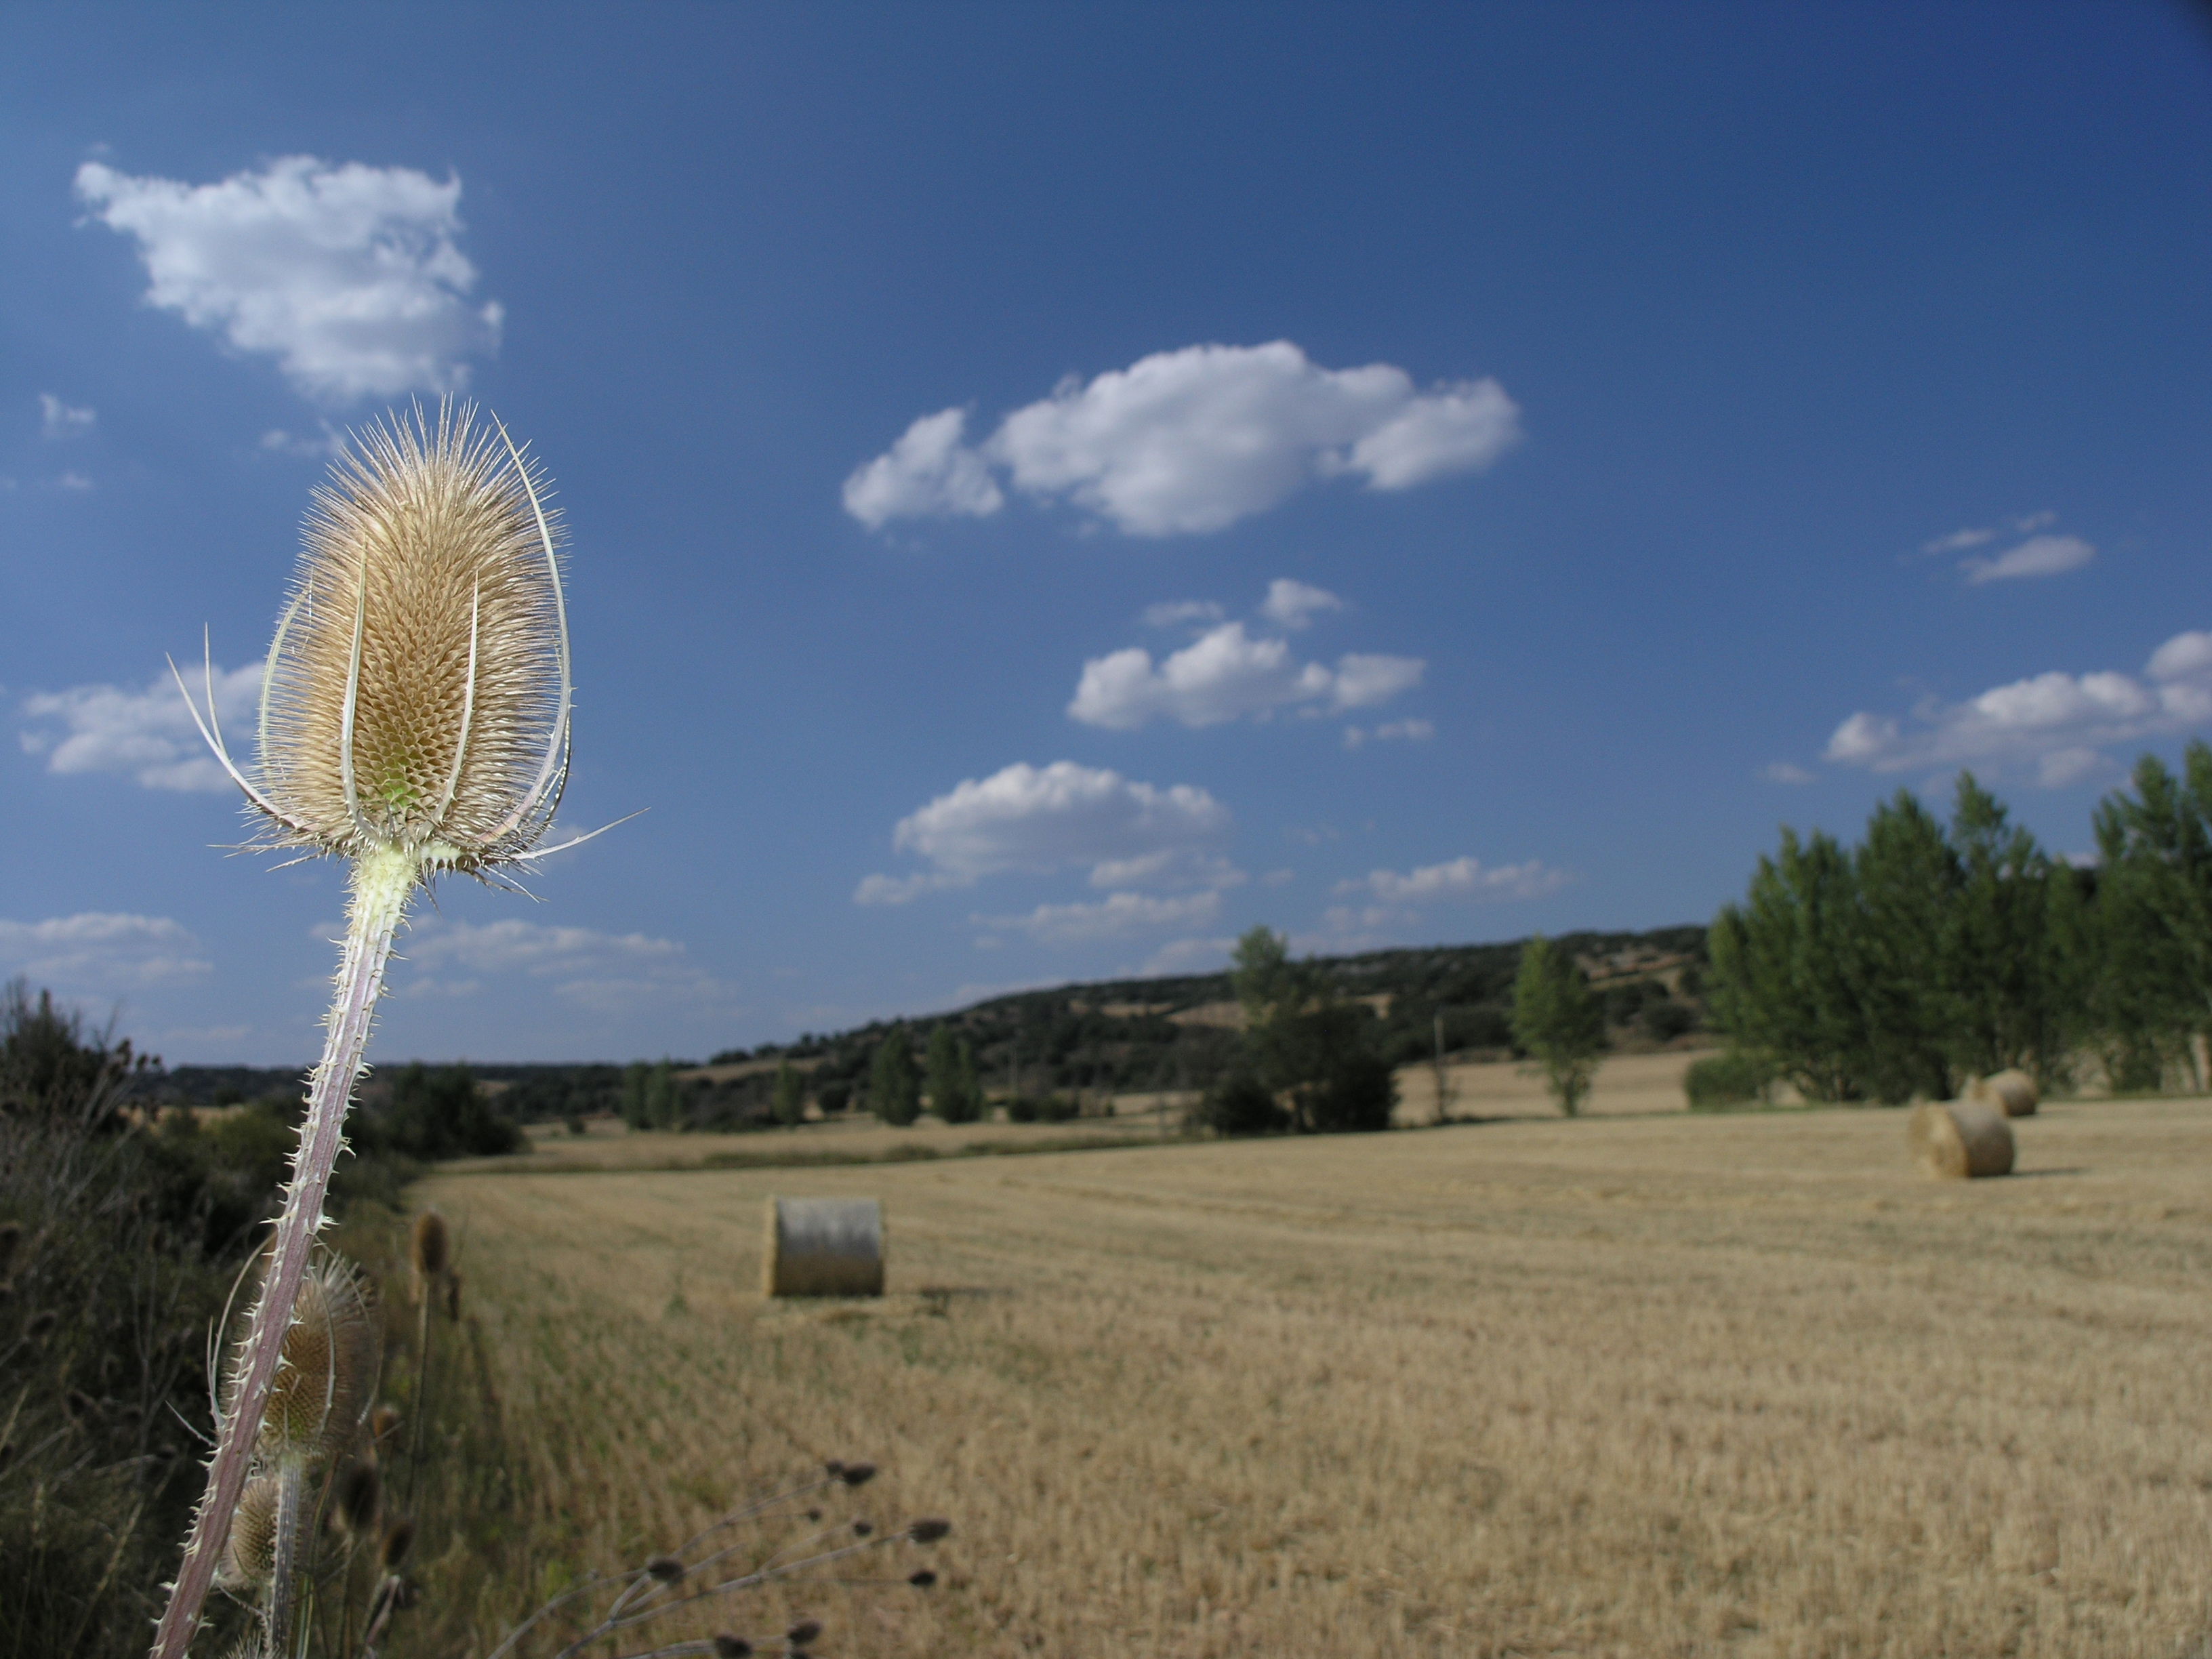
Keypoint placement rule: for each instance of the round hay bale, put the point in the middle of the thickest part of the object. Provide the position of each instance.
(1961, 1139)
(824, 1247)
(2012, 1092)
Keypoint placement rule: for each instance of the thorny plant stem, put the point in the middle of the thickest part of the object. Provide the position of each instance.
(427, 1290)
(291, 1479)
(382, 881)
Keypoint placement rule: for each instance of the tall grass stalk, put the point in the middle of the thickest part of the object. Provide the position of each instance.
(414, 721)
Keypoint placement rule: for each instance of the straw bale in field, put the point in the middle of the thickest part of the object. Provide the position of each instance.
(824, 1247)
(2011, 1092)
(1960, 1140)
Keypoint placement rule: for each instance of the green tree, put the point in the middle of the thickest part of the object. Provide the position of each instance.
(2011, 981)
(953, 1095)
(1303, 1045)
(790, 1094)
(1556, 1019)
(894, 1087)
(1901, 951)
(443, 1113)
(1783, 980)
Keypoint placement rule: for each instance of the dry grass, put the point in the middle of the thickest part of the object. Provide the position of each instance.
(1645, 1386)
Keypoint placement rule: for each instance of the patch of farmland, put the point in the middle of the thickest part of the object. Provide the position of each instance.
(1658, 1385)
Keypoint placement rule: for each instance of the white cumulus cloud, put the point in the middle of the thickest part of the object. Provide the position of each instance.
(144, 734)
(928, 473)
(349, 276)
(1193, 440)
(2038, 555)
(1294, 604)
(1465, 876)
(1044, 819)
(57, 420)
(2057, 722)
(1112, 917)
(1226, 675)
(99, 952)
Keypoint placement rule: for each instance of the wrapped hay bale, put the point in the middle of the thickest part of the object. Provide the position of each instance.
(1961, 1139)
(824, 1247)
(2011, 1092)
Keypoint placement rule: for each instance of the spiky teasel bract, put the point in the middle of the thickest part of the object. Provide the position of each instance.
(326, 1366)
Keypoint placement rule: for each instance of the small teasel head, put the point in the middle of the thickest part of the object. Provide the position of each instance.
(928, 1530)
(383, 1423)
(922, 1579)
(854, 1474)
(803, 1631)
(327, 1364)
(727, 1646)
(398, 1539)
(666, 1568)
(249, 1555)
(417, 697)
(429, 1247)
(360, 1493)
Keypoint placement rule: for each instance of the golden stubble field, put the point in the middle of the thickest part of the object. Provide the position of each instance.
(1646, 1385)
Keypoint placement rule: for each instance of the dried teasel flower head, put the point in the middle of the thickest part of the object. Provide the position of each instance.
(398, 1540)
(430, 1246)
(803, 1631)
(326, 1364)
(249, 1558)
(732, 1647)
(666, 1568)
(359, 1494)
(415, 700)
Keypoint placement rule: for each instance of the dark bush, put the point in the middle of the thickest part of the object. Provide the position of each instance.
(1355, 1096)
(440, 1114)
(1666, 1020)
(1240, 1104)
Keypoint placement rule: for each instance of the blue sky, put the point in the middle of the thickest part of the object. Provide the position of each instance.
(1053, 487)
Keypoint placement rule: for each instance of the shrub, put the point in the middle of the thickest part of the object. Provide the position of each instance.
(1240, 1104)
(1356, 1096)
(1738, 1078)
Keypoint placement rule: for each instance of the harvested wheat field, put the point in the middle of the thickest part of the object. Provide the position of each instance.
(1666, 1385)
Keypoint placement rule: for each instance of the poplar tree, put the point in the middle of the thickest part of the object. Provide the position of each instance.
(1556, 1018)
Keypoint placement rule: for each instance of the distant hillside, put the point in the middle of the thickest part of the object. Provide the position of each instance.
(1103, 1034)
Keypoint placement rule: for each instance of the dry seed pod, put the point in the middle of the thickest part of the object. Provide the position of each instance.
(417, 695)
(803, 1633)
(361, 1491)
(398, 1539)
(928, 1531)
(326, 1366)
(666, 1568)
(383, 1423)
(250, 1556)
(430, 1246)
(732, 1647)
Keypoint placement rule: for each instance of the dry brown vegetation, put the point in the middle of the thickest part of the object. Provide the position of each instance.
(1649, 1385)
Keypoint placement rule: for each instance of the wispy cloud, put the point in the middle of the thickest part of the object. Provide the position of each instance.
(144, 734)
(1783, 772)
(1356, 736)
(2056, 722)
(2038, 555)
(1227, 675)
(1044, 819)
(1192, 441)
(57, 420)
(349, 276)
(1462, 877)
(1176, 613)
(604, 972)
(101, 953)
(1115, 916)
